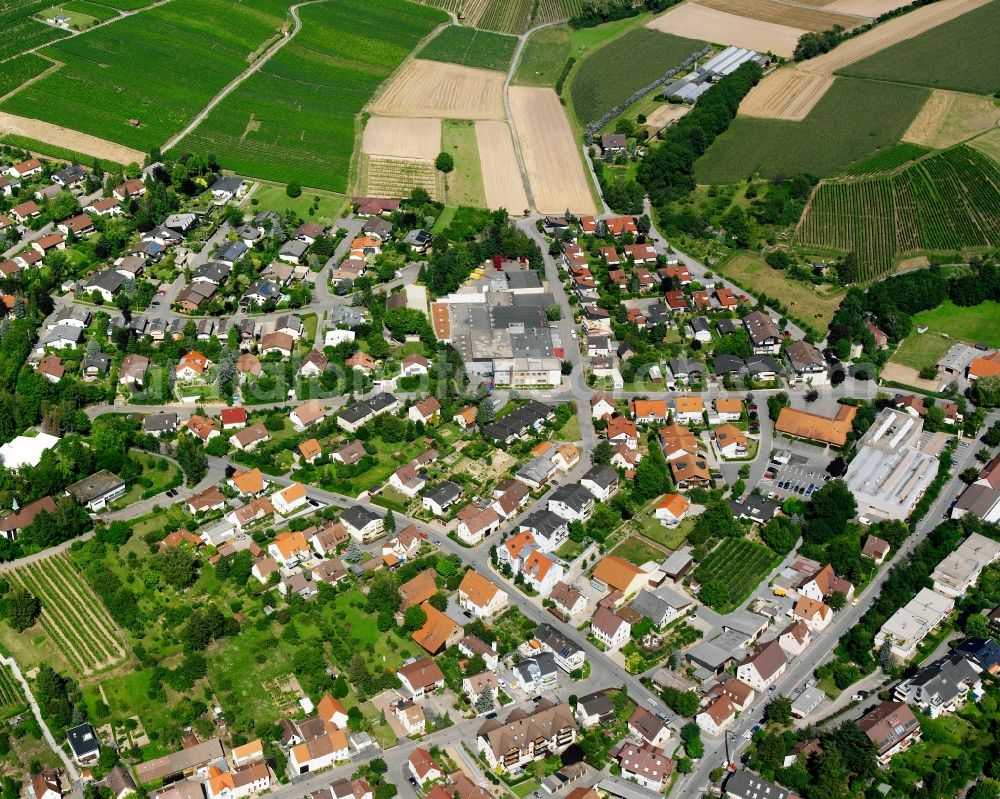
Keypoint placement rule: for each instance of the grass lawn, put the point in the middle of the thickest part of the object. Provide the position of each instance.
(571, 430)
(160, 479)
(544, 56)
(667, 536)
(328, 208)
(919, 350)
(389, 497)
(523, 789)
(814, 305)
(441, 225)
(971, 325)
(465, 184)
(829, 687)
(388, 462)
(637, 551)
(77, 19)
(569, 549)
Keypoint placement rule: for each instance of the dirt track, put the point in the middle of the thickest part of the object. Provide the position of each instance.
(788, 94)
(402, 138)
(445, 91)
(551, 154)
(501, 173)
(68, 139)
(699, 22)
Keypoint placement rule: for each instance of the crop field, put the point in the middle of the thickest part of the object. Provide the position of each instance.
(402, 137)
(988, 144)
(854, 120)
(948, 202)
(701, 22)
(16, 71)
(555, 10)
(948, 118)
(20, 31)
(960, 54)
(397, 177)
(738, 566)
(502, 16)
(11, 697)
(613, 73)
(159, 67)
(447, 91)
(795, 16)
(890, 159)
(73, 618)
(471, 48)
(543, 57)
(99, 11)
(502, 183)
(294, 119)
(79, 19)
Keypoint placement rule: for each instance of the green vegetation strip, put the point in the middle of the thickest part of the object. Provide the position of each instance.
(472, 48)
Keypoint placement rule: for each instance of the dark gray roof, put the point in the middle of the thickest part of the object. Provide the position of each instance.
(573, 495)
(231, 251)
(82, 740)
(544, 523)
(727, 364)
(228, 184)
(747, 785)
(984, 651)
(444, 493)
(358, 517)
(727, 326)
(94, 487)
(214, 271)
(604, 476)
(762, 363)
(157, 422)
(109, 280)
(97, 360)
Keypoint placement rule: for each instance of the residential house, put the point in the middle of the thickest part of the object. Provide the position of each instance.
(290, 499)
(289, 549)
(526, 737)
(942, 687)
(601, 482)
(661, 605)
(814, 613)
(477, 523)
(426, 410)
(609, 628)
(795, 638)
(671, 509)
(480, 596)
(602, 405)
(567, 600)
(716, 716)
(439, 632)
(892, 728)
(765, 337)
(613, 573)
(423, 767)
(648, 727)
(308, 414)
(730, 440)
(442, 497)
(97, 491)
(362, 524)
(647, 765)
(191, 366)
(763, 667)
(807, 364)
(421, 677)
(690, 471)
(572, 501)
(249, 438)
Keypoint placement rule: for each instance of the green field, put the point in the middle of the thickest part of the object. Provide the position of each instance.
(15, 72)
(465, 183)
(960, 55)
(890, 159)
(328, 207)
(737, 566)
(472, 48)
(506, 16)
(948, 202)
(853, 121)
(294, 119)
(21, 31)
(974, 325)
(160, 67)
(638, 551)
(919, 350)
(79, 19)
(543, 57)
(611, 74)
(99, 11)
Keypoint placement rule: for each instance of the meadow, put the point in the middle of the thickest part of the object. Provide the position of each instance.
(465, 183)
(736, 566)
(855, 120)
(16, 71)
(948, 202)
(974, 325)
(20, 31)
(611, 74)
(471, 48)
(159, 67)
(960, 55)
(295, 118)
(543, 57)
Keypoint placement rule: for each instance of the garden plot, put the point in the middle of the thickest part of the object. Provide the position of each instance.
(696, 21)
(72, 618)
(397, 177)
(445, 91)
(551, 155)
(402, 138)
(501, 173)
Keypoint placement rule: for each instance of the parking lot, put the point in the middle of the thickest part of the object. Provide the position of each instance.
(801, 476)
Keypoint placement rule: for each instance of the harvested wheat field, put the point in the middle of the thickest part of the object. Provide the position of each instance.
(793, 16)
(444, 91)
(699, 22)
(666, 114)
(792, 92)
(551, 155)
(402, 138)
(69, 139)
(502, 181)
(865, 8)
(786, 94)
(948, 118)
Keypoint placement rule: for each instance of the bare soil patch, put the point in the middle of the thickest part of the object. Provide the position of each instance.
(502, 180)
(908, 376)
(786, 94)
(550, 152)
(696, 21)
(665, 115)
(793, 16)
(69, 139)
(402, 138)
(948, 118)
(445, 91)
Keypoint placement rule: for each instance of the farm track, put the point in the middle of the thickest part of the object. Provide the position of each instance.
(230, 87)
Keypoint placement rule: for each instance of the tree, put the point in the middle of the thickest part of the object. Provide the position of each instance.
(779, 710)
(21, 609)
(177, 567)
(485, 412)
(602, 453)
(986, 392)
(414, 618)
(691, 735)
(969, 475)
(390, 522)
(836, 600)
(484, 704)
(294, 189)
(444, 162)
(192, 459)
(976, 626)
(992, 436)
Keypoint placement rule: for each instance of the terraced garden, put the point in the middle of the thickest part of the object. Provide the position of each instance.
(732, 571)
(294, 119)
(945, 203)
(72, 618)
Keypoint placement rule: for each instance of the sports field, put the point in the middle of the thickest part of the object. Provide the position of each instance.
(608, 76)
(854, 120)
(543, 57)
(471, 48)
(294, 119)
(962, 54)
(159, 67)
